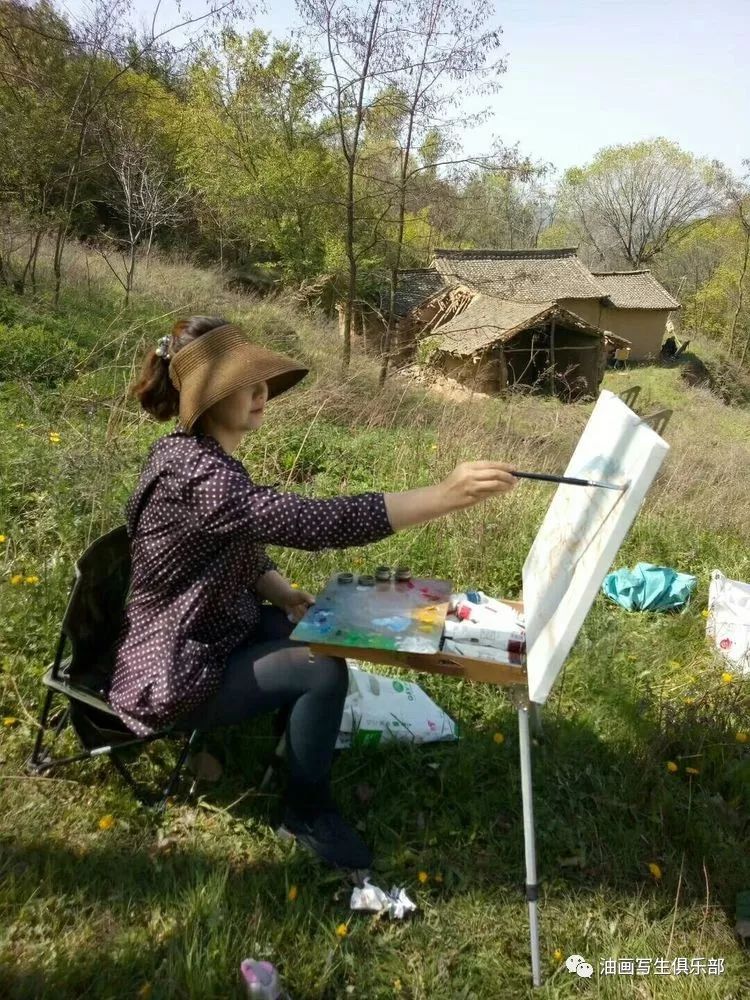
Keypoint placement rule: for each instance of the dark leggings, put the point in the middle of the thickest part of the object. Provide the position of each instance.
(271, 672)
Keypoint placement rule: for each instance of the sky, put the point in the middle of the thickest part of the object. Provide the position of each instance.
(584, 74)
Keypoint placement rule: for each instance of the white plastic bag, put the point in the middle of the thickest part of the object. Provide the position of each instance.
(728, 620)
(370, 897)
(378, 709)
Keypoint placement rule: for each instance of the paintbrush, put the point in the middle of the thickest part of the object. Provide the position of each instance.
(567, 480)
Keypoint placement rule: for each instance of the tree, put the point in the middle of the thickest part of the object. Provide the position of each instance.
(444, 40)
(634, 201)
(141, 191)
(504, 209)
(362, 42)
(37, 83)
(254, 155)
(386, 92)
(67, 76)
(737, 193)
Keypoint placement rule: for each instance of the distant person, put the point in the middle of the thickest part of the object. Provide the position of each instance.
(621, 357)
(197, 647)
(669, 347)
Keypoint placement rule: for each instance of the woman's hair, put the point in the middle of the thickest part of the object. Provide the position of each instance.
(154, 387)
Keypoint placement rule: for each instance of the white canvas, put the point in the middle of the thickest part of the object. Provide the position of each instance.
(584, 527)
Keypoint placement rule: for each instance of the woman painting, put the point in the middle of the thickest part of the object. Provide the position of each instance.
(198, 647)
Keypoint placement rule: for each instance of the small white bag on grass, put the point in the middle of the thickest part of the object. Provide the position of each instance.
(728, 620)
(378, 709)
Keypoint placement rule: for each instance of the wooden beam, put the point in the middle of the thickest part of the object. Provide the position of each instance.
(552, 355)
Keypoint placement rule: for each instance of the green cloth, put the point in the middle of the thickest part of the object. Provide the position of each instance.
(649, 588)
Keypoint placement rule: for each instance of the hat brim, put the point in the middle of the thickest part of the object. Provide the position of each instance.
(222, 379)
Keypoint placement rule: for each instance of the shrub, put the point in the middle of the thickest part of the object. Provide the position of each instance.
(33, 352)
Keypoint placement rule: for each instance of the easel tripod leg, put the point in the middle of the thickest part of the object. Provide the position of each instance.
(532, 887)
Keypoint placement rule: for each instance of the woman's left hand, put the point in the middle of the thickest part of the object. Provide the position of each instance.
(296, 602)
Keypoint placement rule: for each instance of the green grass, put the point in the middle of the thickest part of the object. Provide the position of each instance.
(168, 911)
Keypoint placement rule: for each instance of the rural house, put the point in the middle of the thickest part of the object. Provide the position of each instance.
(503, 317)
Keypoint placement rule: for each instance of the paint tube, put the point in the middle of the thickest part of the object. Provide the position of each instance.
(455, 600)
(473, 596)
(477, 602)
(480, 652)
(480, 598)
(506, 618)
(469, 632)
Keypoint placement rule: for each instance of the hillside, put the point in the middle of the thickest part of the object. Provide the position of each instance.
(125, 909)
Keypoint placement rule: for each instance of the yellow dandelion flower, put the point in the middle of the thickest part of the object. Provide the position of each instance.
(674, 664)
(692, 770)
(342, 930)
(292, 894)
(688, 701)
(296, 586)
(672, 767)
(423, 877)
(20, 426)
(32, 579)
(498, 738)
(17, 578)
(727, 677)
(654, 869)
(10, 720)
(742, 737)
(106, 822)
(2, 538)
(557, 955)
(704, 613)
(434, 447)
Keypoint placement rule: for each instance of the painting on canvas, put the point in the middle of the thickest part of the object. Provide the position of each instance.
(584, 527)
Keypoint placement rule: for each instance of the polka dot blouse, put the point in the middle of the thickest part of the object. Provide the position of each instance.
(197, 525)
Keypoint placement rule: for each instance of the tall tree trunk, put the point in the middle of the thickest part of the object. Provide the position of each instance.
(130, 274)
(740, 295)
(744, 349)
(57, 261)
(348, 311)
(34, 256)
(148, 245)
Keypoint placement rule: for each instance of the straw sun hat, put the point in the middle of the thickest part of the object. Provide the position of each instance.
(224, 359)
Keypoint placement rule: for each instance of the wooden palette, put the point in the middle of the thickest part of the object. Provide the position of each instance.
(407, 616)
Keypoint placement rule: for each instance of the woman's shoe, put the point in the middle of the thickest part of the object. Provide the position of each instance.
(328, 835)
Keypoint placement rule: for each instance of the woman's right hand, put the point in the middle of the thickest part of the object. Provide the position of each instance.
(471, 482)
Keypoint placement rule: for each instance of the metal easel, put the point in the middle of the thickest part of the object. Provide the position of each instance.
(528, 710)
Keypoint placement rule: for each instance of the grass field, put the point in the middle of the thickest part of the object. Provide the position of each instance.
(98, 900)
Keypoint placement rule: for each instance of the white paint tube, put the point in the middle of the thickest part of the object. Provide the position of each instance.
(482, 652)
(469, 632)
(479, 597)
(506, 618)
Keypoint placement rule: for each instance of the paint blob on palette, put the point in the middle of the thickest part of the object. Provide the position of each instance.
(407, 616)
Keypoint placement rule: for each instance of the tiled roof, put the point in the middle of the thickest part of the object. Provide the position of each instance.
(634, 290)
(521, 275)
(488, 320)
(412, 289)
